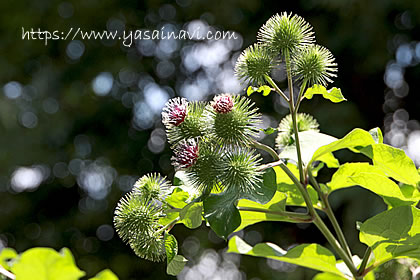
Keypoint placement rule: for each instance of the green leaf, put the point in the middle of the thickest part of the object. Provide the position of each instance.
(6, 255)
(265, 90)
(171, 247)
(251, 217)
(191, 215)
(178, 198)
(46, 264)
(264, 192)
(286, 186)
(309, 141)
(176, 265)
(221, 213)
(328, 276)
(377, 135)
(250, 90)
(182, 182)
(394, 162)
(313, 256)
(392, 234)
(371, 178)
(105, 274)
(355, 138)
(269, 130)
(333, 94)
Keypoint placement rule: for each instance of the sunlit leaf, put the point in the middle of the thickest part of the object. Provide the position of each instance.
(313, 256)
(268, 130)
(333, 94)
(377, 135)
(392, 234)
(6, 255)
(105, 274)
(191, 215)
(171, 247)
(176, 265)
(46, 264)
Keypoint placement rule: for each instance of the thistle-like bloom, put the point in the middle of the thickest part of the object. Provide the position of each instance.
(239, 170)
(186, 153)
(149, 246)
(151, 186)
(315, 65)
(175, 111)
(222, 103)
(285, 137)
(254, 64)
(284, 33)
(236, 127)
(193, 124)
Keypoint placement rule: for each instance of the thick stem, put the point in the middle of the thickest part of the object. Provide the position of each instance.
(297, 217)
(266, 148)
(365, 260)
(330, 214)
(336, 246)
(276, 88)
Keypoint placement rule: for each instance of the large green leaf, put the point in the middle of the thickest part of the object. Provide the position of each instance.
(393, 234)
(264, 192)
(308, 255)
(394, 162)
(171, 247)
(176, 265)
(105, 274)
(333, 94)
(191, 215)
(252, 217)
(372, 178)
(46, 264)
(356, 138)
(328, 276)
(6, 255)
(309, 141)
(286, 186)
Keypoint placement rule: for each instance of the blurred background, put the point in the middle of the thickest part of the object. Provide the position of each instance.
(80, 120)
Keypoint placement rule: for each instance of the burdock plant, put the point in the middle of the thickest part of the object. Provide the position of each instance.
(221, 178)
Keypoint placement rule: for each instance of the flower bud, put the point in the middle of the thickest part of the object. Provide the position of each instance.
(186, 153)
(285, 137)
(254, 64)
(314, 64)
(151, 186)
(236, 127)
(174, 112)
(149, 246)
(284, 34)
(222, 103)
(239, 170)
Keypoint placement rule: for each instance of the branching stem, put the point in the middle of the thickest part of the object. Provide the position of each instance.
(297, 217)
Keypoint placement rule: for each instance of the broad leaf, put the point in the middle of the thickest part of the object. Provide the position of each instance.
(328, 276)
(313, 256)
(46, 264)
(178, 198)
(333, 94)
(392, 234)
(264, 89)
(377, 135)
(264, 192)
(309, 141)
(355, 138)
(6, 255)
(171, 247)
(176, 265)
(394, 162)
(105, 274)
(191, 215)
(371, 178)
(286, 186)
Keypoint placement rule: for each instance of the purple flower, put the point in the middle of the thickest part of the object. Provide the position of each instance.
(175, 111)
(223, 103)
(186, 153)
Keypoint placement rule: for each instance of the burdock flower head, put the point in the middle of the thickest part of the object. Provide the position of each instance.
(186, 153)
(175, 111)
(284, 34)
(315, 65)
(285, 137)
(151, 186)
(223, 103)
(254, 64)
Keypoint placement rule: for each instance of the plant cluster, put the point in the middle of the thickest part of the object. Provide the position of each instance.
(220, 177)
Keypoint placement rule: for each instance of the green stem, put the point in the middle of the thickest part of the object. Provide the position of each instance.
(365, 260)
(276, 88)
(336, 246)
(168, 226)
(266, 148)
(293, 112)
(330, 214)
(297, 217)
(299, 99)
